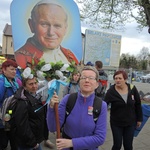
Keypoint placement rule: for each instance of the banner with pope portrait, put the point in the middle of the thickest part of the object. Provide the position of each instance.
(46, 29)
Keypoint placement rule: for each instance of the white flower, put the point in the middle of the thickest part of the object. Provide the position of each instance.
(30, 76)
(42, 83)
(46, 67)
(64, 67)
(59, 73)
(40, 75)
(26, 73)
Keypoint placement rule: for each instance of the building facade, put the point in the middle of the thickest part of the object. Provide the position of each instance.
(7, 42)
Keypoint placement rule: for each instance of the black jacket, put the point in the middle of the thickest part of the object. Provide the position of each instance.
(121, 113)
(30, 125)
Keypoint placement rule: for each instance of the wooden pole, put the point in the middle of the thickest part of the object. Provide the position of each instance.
(57, 120)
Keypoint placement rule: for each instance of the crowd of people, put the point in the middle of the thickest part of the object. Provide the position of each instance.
(85, 127)
(33, 127)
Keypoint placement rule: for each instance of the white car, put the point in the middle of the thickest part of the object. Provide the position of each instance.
(146, 78)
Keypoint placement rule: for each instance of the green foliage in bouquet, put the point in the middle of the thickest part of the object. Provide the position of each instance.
(56, 70)
(72, 67)
(51, 73)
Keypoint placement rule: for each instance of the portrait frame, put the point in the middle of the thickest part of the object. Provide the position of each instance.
(21, 30)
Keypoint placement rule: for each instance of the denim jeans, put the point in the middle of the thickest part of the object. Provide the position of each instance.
(22, 148)
(122, 134)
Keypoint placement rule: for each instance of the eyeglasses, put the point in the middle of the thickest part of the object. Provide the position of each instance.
(89, 78)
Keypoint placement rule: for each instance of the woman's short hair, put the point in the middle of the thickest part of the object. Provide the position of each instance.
(92, 69)
(24, 80)
(8, 63)
(124, 74)
(75, 72)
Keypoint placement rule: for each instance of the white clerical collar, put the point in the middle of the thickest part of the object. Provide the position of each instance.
(54, 56)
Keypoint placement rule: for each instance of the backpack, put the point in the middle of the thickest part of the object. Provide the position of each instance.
(99, 91)
(103, 79)
(7, 112)
(72, 100)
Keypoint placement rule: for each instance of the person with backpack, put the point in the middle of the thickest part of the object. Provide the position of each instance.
(73, 85)
(103, 80)
(9, 84)
(81, 129)
(30, 120)
(126, 111)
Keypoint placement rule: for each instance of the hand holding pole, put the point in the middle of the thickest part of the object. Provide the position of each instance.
(57, 120)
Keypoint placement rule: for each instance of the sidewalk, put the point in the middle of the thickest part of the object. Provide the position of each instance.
(141, 142)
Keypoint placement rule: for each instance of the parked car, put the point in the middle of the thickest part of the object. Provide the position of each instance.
(138, 75)
(146, 78)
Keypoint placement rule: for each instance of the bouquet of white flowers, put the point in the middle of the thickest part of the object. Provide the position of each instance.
(53, 73)
(52, 70)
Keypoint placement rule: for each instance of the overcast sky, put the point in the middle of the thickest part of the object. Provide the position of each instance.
(132, 40)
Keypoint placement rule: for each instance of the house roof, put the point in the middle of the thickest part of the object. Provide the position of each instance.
(7, 30)
(83, 35)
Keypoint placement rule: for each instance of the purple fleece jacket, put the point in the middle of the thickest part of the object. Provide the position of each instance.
(80, 125)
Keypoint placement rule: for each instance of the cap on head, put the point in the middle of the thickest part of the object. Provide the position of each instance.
(43, 2)
(48, 2)
(89, 64)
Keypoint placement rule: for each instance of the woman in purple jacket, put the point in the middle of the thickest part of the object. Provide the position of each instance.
(79, 126)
